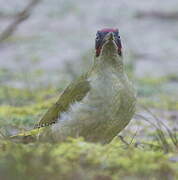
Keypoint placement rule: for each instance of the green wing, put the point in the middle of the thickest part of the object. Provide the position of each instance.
(76, 91)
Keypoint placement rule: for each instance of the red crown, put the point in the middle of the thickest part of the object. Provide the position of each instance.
(109, 30)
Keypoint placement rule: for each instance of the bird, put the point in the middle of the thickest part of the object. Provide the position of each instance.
(99, 104)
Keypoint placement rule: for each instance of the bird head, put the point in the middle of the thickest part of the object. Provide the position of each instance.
(108, 42)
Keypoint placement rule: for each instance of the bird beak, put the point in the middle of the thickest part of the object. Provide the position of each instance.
(109, 45)
(109, 37)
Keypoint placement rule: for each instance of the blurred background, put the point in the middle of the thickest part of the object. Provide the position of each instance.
(46, 44)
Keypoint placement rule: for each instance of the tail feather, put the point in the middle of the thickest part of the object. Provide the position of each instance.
(28, 136)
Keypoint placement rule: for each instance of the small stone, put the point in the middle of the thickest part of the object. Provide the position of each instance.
(174, 159)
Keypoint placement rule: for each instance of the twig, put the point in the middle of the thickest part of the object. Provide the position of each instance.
(160, 126)
(20, 17)
(135, 134)
(123, 140)
(171, 135)
(158, 14)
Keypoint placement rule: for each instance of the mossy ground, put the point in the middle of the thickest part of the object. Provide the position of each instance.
(77, 159)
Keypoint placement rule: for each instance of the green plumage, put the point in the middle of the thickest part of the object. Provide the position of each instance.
(73, 93)
(97, 106)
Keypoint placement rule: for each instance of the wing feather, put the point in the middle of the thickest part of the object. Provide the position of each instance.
(76, 91)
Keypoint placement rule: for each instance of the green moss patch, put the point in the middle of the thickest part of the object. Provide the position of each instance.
(77, 159)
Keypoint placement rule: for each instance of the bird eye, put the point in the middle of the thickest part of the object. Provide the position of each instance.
(117, 36)
(97, 38)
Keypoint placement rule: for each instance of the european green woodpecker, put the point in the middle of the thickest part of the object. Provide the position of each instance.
(99, 104)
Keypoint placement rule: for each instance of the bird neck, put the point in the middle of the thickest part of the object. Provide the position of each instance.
(108, 61)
